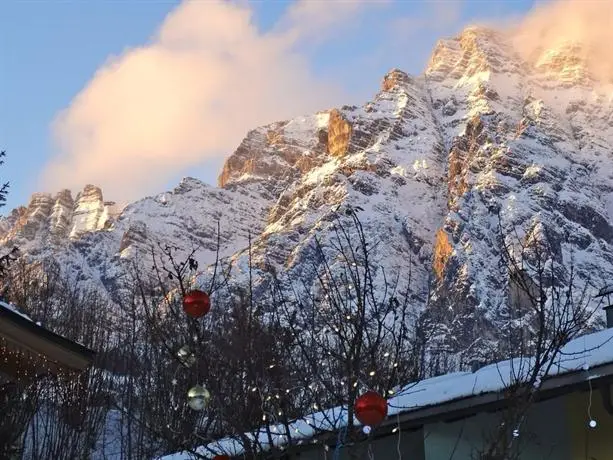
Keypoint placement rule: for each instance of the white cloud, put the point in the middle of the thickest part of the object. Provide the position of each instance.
(208, 76)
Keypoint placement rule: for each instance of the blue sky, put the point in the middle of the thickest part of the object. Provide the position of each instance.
(51, 50)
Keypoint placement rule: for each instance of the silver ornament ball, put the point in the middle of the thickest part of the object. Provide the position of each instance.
(198, 397)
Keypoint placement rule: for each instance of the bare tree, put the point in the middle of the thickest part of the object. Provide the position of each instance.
(237, 347)
(267, 359)
(353, 329)
(57, 416)
(272, 349)
(11, 256)
(548, 306)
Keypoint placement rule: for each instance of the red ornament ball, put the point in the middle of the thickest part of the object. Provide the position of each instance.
(196, 303)
(370, 408)
(221, 457)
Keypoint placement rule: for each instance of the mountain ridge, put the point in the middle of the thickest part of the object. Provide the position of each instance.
(483, 141)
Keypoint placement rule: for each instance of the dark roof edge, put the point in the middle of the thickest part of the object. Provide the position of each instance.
(24, 323)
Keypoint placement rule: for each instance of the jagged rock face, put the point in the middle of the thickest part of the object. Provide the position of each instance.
(38, 212)
(388, 161)
(528, 140)
(394, 77)
(57, 217)
(564, 65)
(339, 134)
(185, 218)
(274, 156)
(60, 219)
(89, 212)
(439, 163)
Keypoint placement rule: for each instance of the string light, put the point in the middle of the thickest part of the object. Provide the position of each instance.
(397, 428)
(29, 365)
(592, 423)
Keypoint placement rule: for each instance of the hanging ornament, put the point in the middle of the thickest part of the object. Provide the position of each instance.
(221, 457)
(186, 357)
(370, 408)
(196, 303)
(366, 429)
(198, 397)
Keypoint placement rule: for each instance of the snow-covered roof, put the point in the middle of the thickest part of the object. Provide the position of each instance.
(59, 351)
(581, 354)
(14, 309)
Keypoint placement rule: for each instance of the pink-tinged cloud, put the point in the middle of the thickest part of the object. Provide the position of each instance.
(554, 25)
(208, 76)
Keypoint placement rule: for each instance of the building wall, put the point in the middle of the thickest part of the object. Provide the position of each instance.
(411, 446)
(544, 436)
(589, 443)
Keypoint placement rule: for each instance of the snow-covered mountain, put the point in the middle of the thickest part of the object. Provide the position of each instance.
(432, 160)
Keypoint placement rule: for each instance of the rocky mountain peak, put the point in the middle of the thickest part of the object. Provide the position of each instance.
(90, 194)
(475, 50)
(58, 216)
(395, 78)
(271, 157)
(187, 184)
(89, 212)
(275, 155)
(566, 63)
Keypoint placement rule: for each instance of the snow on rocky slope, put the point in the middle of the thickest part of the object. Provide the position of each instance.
(431, 160)
(95, 242)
